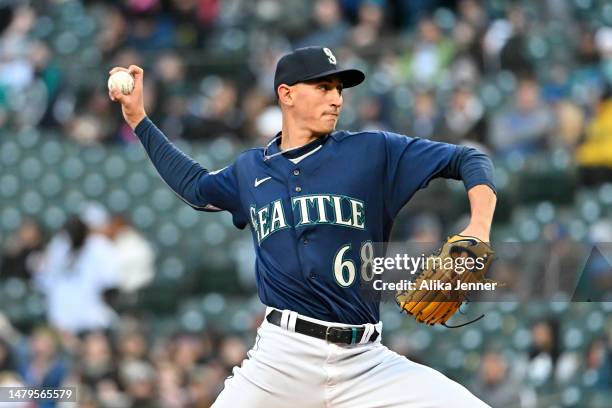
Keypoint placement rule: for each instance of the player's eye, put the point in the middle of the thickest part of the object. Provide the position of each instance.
(329, 87)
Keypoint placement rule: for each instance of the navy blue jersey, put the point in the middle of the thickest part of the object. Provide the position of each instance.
(313, 222)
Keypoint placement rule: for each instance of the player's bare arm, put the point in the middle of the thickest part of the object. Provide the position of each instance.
(482, 205)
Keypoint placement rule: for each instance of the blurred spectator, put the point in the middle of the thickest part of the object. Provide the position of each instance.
(598, 362)
(132, 345)
(603, 42)
(595, 354)
(44, 366)
(371, 115)
(95, 122)
(172, 88)
(16, 71)
(206, 383)
(425, 116)
(149, 28)
(47, 69)
(494, 385)
(171, 73)
(232, 351)
(586, 51)
(524, 125)
(78, 268)
(413, 10)
(468, 63)
(112, 34)
(463, 119)
(22, 250)
(473, 13)
(595, 154)
(504, 43)
(513, 53)
(257, 128)
(330, 29)
(135, 256)
(545, 351)
(194, 19)
(570, 123)
(215, 115)
(140, 381)
(367, 35)
(430, 54)
(286, 16)
(170, 385)
(97, 361)
(186, 350)
(464, 72)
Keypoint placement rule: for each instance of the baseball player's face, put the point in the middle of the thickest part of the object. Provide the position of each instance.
(318, 104)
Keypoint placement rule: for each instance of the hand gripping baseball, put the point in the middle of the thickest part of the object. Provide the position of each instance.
(132, 104)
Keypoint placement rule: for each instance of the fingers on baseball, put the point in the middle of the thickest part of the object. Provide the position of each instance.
(117, 69)
(138, 74)
(115, 95)
(135, 70)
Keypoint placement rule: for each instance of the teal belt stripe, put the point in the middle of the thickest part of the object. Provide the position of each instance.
(354, 331)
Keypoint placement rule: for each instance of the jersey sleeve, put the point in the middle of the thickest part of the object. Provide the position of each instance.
(201, 189)
(413, 162)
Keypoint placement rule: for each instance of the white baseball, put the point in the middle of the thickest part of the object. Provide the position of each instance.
(121, 80)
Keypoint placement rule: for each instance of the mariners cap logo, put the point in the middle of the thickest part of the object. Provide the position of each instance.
(330, 56)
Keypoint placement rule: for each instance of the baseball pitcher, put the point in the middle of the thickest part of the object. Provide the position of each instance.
(316, 199)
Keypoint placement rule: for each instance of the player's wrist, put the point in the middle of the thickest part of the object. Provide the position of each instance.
(480, 231)
(134, 121)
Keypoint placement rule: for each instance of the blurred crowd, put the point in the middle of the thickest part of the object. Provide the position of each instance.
(516, 79)
(126, 367)
(510, 77)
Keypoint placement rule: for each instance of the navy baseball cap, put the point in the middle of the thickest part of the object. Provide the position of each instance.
(309, 63)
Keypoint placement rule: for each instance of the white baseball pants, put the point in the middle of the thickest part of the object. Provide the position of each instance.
(288, 369)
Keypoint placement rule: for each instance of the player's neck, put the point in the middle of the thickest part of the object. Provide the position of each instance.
(294, 138)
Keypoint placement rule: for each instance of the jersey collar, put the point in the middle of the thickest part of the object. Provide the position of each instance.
(274, 147)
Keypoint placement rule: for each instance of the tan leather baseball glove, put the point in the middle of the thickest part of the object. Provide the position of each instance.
(446, 280)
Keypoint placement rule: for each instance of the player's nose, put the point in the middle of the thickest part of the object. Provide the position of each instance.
(336, 98)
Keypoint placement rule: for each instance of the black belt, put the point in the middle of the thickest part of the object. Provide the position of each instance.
(338, 335)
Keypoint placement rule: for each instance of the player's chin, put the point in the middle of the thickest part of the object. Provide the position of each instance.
(328, 123)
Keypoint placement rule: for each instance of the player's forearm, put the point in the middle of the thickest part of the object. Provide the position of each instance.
(482, 206)
(179, 171)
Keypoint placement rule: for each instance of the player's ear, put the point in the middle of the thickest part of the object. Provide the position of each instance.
(285, 95)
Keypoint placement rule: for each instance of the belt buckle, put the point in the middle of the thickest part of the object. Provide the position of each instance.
(352, 330)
